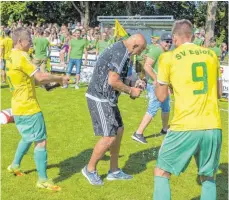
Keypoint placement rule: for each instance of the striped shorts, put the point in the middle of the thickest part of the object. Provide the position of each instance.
(106, 119)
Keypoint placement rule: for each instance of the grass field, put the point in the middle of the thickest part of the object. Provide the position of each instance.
(70, 144)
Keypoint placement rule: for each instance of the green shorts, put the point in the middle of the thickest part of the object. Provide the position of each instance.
(31, 127)
(178, 148)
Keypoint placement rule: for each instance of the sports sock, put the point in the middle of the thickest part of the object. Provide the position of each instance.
(40, 156)
(208, 190)
(161, 188)
(22, 148)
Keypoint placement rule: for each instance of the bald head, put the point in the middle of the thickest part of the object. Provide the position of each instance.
(135, 44)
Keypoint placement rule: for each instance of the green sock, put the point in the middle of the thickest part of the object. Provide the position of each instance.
(161, 188)
(22, 149)
(40, 156)
(208, 190)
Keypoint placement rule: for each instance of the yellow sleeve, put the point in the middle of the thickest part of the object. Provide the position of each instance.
(27, 66)
(164, 64)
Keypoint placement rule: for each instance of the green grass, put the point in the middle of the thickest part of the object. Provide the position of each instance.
(70, 144)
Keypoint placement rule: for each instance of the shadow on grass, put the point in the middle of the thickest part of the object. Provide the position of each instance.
(71, 166)
(154, 135)
(221, 183)
(137, 162)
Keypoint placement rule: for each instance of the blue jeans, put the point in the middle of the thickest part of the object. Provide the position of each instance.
(154, 103)
(72, 62)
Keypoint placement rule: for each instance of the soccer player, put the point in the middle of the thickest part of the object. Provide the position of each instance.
(102, 98)
(5, 48)
(77, 46)
(195, 129)
(22, 75)
(151, 68)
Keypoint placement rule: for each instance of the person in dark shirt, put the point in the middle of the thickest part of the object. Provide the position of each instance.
(102, 98)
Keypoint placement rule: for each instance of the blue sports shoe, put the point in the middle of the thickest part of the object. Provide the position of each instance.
(118, 175)
(92, 177)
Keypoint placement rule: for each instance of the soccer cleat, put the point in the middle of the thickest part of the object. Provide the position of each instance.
(49, 185)
(92, 177)
(118, 175)
(16, 171)
(163, 132)
(139, 138)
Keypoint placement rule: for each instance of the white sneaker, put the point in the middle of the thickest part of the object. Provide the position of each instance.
(77, 87)
(64, 86)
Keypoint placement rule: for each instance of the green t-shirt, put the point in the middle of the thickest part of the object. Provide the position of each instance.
(41, 45)
(77, 48)
(198, 41)
(217, 51)
(154, 52)
(62, 39)
(102, 45)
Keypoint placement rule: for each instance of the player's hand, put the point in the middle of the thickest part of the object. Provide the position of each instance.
(135, 92)
(65, 80)
(155, 82)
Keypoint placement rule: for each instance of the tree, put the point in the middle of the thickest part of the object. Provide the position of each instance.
(210, 21)
(83, 10)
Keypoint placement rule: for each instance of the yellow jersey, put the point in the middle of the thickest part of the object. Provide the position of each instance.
(6, 44)
(20, 71)
(192, 71)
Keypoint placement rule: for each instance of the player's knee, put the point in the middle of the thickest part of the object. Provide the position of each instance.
(161, 172)
(120, 130)
(41, 144)
(207, 178)
(108, 141)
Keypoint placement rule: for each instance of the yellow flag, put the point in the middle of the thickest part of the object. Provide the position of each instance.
(119, 30)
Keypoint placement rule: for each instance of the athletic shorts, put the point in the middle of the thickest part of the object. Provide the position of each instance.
(31, 127)
(178, 148)
(106, 119)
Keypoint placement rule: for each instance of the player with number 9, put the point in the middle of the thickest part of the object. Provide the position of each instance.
(195, 129)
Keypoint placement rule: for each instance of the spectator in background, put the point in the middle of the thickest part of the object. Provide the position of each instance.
(54, 40)
(77, 46)
(202, 35)
(197, 39)
(65, 48)
(41, 47)
(78, 26)
(155, 39)
(5, 48)
(212, 46)
(102, 44)
(224, 51)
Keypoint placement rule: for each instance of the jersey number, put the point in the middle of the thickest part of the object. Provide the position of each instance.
(203, 78)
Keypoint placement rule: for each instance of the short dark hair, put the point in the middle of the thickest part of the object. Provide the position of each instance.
(20, 33)
(182, 27)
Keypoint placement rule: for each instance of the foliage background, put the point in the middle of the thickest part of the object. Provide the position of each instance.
(65, 12)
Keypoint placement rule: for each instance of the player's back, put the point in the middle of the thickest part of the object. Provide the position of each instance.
(194, 72)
